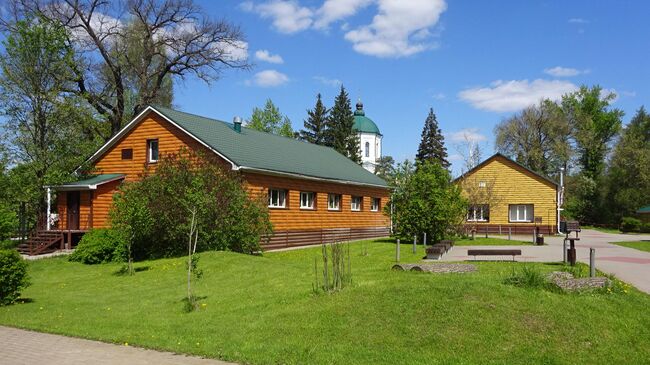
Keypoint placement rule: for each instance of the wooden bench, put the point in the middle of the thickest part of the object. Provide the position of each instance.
(494, 252)
(435, 252)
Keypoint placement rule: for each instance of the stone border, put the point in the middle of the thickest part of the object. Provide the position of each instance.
(436, 268)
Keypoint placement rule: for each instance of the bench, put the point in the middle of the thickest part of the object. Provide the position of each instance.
(494, 252)
(435, 252)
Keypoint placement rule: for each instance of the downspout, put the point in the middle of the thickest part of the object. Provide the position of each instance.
(560, 198)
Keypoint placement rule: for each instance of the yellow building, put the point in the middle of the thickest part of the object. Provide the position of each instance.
(506, 196)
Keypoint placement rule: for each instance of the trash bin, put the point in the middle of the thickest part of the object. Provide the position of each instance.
(540, 239)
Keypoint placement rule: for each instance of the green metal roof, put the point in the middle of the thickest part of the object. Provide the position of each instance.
(89, 183)
(254, 150)
(645, 209)
(363, 123)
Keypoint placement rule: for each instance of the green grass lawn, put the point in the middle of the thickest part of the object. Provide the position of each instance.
(261, 310)
(639, 245)
(491, 241)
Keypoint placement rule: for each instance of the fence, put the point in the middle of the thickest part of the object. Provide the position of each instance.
(294, 238)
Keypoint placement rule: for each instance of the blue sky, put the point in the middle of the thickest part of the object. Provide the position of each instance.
(474, 62)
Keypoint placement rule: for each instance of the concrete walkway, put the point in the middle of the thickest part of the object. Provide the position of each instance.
(20, 347)
(628, 264)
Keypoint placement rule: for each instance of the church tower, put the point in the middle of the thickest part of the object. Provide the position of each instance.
(369, 138)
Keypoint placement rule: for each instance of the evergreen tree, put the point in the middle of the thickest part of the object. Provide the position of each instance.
(432, 146)
(341, 134)
(316, 124)
(270, 120)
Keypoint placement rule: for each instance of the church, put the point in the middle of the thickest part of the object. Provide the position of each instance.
(369, 138)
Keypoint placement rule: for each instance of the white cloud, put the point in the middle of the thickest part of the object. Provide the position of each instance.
(467, 135)
(268, 78)
(560, 71)
(234, 51)
(333, 10)
(391, 33)
(266, 56)
(513, 95)
(288, 16)
(327, 81)
(578, 21)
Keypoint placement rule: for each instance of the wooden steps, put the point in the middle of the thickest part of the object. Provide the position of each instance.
(41, 242)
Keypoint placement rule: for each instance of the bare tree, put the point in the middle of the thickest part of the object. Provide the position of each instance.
(482, 197)
(471, 152)
(176, 41)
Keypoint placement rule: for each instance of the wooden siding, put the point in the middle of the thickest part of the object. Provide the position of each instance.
(514, 184)
(170, 141)
(294, 218)
(292, 225)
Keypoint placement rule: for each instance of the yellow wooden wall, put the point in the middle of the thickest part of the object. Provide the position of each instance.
(514, 184)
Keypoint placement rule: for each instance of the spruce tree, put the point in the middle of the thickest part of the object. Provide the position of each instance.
(432, 146)
(316, 124)
(341, 133)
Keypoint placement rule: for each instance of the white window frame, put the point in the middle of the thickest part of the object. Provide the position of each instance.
(310, 199)
(526, 217)
(333, 201)
(482, 184)
(374, 204)
(480, 208)
(356, 203)
(281, 201)
(150, 150)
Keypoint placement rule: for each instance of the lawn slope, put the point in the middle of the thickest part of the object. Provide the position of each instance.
(260, 310)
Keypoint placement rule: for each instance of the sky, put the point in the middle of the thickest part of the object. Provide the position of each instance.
(474, 62)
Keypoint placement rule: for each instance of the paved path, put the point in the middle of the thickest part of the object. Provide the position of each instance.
(628, 264)
(20, 347)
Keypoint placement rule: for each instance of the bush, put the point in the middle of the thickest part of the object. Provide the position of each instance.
(630, 224)
(645, 227)
(100, 246)
(229, 218)
(13, 276)
(527, 277)
(8, 222)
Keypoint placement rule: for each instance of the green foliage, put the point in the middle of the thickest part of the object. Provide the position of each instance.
(100, 246)
(155, 211)
(316, 124)
(628, 182)
(341, 133)
(8, 222)
(630, 224)
(13, 276)
(528, 276)
(537, 137)
(426, 201)
(385, 167)
(270, 120)
(432, 145)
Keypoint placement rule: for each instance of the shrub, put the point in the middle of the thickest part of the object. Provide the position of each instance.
(630, 224)
(426, 201)
(101, 246)
(8, 222)
(228, 217)
(527, 277)
(13, 276)
(645, 227)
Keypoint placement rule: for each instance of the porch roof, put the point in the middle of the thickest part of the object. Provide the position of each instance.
(89, 183)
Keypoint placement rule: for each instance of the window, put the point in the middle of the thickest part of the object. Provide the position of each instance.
(306, 200)
(521, 213)
(367, 149)
(333, 202)
(478, 213)
(482, 184)
(355, 203)
(152, 147)
(127, 153)
(374, 204)
(277, 198)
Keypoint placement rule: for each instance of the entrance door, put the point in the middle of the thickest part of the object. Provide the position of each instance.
(73, 209)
